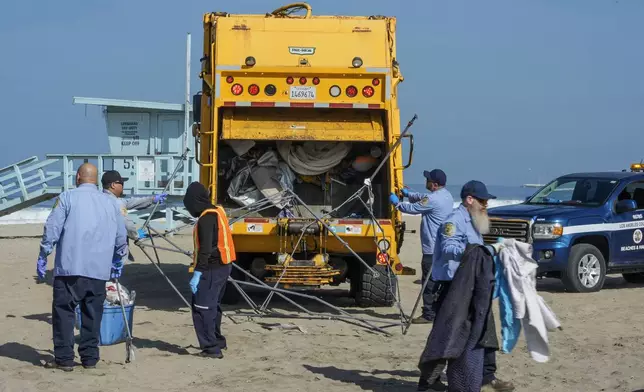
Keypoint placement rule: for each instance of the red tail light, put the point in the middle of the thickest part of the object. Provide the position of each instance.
(352, 91)
(368, 91)
(399, 267)
(229, 79)
(383, 258)
(316, 81)
(237, 89)
(302, 80)
(375, 82)
(253, 89)
(289, 80)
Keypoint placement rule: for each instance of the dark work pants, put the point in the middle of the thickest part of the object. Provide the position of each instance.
(431, 371)
(70, 291)
(428, 294)
(206, 308)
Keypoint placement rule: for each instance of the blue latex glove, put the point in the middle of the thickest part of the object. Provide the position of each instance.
(141, 234)
(194, 282)
(405, 192)
(117, 267)
(394, 199)
(115, 273)
(160, 197)
(41, 267)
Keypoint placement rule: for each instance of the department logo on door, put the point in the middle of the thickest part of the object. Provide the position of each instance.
(637, 236)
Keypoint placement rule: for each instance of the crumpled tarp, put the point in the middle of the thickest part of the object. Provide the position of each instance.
(313, 158)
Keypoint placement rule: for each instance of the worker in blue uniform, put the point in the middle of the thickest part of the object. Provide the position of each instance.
(88, 232)
(434, 207)
(466, 225)
(113, 185)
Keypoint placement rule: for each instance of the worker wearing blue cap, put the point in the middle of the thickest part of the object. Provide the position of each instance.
(466, 225)
(434, 208)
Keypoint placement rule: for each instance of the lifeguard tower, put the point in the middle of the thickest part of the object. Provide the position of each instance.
(147, 141)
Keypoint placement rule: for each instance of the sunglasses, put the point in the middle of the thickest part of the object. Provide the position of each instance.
(483, 202)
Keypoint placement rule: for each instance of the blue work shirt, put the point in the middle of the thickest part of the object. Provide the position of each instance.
(88, 231)
(456, 232)
(434, 207)
(133, 203)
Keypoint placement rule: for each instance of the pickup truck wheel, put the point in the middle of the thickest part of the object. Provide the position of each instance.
(376, 292)
(586, 269)
(634, 278)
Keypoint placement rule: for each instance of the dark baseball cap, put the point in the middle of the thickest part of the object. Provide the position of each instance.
(437, 175)
(477, 190)
(110, 177)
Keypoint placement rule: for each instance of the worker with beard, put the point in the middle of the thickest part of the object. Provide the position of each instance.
(466, 225)
(213, 256)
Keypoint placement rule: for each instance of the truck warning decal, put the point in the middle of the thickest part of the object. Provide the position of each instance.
(254, 228)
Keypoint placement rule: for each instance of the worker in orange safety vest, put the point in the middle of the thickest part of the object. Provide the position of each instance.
(213, 256)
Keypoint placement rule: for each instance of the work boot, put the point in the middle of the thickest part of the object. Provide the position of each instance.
(498, 385)
(213, 354)
(422, 320)
(437, 386)
(56, 365)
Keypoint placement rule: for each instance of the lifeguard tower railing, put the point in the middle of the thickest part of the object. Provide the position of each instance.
(33, 181)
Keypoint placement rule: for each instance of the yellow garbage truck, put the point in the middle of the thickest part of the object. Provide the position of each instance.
(298, 137)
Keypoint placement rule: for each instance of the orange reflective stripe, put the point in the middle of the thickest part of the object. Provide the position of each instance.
(225, 243)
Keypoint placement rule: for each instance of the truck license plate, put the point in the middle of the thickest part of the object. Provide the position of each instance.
(302, 92)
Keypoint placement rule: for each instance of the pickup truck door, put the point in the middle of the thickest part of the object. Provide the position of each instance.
(627, 239)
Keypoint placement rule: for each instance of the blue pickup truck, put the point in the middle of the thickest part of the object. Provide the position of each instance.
(582, 227)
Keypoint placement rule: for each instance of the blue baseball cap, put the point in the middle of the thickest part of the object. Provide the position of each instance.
(437, 175)
(477, 190)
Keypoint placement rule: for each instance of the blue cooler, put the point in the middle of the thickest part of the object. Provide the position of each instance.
(112, 326)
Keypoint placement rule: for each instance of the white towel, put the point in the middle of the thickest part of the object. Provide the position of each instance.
(536, 316)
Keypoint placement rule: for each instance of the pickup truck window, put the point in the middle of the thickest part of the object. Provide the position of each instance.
(634, 191)
(575, 191)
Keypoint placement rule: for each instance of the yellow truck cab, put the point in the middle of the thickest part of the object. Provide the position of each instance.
(295, 112)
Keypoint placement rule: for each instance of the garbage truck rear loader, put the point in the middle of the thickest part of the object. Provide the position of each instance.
(295, 112)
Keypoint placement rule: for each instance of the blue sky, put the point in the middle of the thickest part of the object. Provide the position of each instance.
(506, 91)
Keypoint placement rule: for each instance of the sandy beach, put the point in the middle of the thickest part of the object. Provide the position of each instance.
(601, 346)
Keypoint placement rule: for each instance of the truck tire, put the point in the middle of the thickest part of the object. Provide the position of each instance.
(637, 277)
(586, 269)
(376, 292)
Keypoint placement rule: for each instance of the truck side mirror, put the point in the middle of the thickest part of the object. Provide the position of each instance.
(196, 108)
(626, 206)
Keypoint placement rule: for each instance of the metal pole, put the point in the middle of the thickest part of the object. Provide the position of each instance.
(343, 242)
(393, 148)
(413, 311)
(170, 180)
(280, 294)
(175, 288)
(280, 291)
(186, 104)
